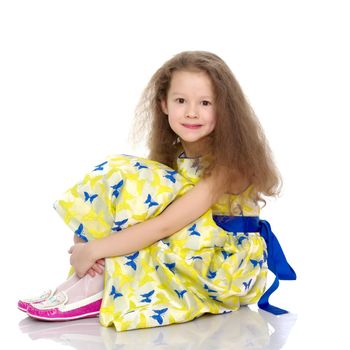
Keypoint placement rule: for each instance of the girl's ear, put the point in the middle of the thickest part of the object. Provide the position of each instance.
(164, 106)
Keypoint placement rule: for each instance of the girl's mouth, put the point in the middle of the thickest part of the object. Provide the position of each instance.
(193, 126)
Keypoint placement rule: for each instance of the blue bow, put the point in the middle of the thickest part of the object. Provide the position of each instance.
(276, 260)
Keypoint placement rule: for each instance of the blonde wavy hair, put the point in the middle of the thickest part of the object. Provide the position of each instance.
(238, 141)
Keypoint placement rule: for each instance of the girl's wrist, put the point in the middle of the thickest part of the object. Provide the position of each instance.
(77, 239)
(94, 250)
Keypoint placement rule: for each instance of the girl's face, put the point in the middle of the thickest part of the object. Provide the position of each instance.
(191, 111)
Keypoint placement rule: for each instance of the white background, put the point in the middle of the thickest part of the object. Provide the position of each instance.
(71, 73)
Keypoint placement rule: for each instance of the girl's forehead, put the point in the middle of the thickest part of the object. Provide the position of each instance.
(194, 80)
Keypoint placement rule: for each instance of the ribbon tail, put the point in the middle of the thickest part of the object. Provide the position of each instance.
(277, 263)
(276, 259)
(264, 304)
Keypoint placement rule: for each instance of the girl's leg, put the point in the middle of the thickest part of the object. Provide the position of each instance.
(85, 287)
(67, 283)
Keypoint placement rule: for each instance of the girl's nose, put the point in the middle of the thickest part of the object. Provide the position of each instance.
(191, 112)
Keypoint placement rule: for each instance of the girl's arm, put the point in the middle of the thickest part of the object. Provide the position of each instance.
(177, 215)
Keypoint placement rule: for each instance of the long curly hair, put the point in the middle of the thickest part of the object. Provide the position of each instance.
(238, 141)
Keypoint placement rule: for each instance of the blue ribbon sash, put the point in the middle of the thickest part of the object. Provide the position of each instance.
(276, 260)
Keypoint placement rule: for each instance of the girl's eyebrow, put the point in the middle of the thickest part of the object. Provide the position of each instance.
(179, 93)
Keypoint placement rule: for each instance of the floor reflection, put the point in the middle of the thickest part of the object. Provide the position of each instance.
(243, 329)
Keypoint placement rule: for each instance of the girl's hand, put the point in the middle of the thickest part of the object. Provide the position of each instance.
(77, 239)
(98, 267)
(81, 258)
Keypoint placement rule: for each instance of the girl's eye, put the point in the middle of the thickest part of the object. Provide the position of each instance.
(180, 100)
(206, 103)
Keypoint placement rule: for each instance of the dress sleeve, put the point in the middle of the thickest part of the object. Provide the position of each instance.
(119, 192)
(86, 207)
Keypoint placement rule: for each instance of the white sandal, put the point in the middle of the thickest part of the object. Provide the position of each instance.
(24, 303)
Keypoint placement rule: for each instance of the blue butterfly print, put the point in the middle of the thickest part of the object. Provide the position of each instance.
(90, 198)
(149, 202)
(265, 255)
(240, 263)
(256, 262)
(214, 297)
(159, 313)
(140, 166)
(130, 312)
(132, 258)
(193, 231)
(241, 239)
(199, 297)
(247, 285)
(226, 254)
(195, 165)
(119, 225)
(157, 267)
(114, 293)
(171, 267)
(209, 290)
(117, 187)
(180, 294)
(147, 296)
(194, 257)
(170, 175)
(100, 166)
(167, 243)
(226, 312)
(79, 232)
(211, 274)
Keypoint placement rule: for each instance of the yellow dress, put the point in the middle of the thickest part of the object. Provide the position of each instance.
(199, 269)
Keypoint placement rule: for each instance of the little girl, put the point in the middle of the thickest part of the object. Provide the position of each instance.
(177, 235)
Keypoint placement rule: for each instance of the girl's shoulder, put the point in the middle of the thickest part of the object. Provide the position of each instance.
(237, 198)
(239, 187)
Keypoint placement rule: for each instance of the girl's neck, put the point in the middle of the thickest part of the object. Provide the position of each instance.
(195, 150)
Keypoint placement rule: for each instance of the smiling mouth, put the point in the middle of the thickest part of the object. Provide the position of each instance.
(192, 126)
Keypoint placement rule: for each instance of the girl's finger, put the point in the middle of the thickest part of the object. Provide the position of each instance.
(91, 271)
(97, 268)
(100, 270)
(94, 267)
(101, 266)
